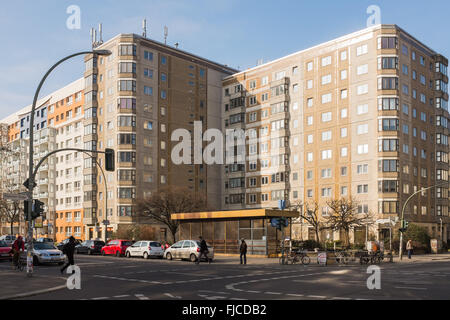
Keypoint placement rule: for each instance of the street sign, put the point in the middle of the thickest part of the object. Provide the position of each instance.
(15, 196)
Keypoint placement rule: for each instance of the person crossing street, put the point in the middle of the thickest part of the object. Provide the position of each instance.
(243, 250)
(69, 250)
(203, 251)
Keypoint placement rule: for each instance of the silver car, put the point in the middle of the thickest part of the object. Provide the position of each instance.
(44, 253)
(9, 239)
(187, 249)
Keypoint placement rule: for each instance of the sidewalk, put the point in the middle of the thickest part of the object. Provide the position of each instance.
(15, 285)
(423, 258)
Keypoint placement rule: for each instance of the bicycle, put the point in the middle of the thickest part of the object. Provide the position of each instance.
(342, 257)
(301, 256)
(19, 266)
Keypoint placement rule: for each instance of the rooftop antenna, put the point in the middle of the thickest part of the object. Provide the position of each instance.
(95, 38)
(166, 33)
(100, 31)
(260, 62)
(176, 45)
(144, 28)
(92, 37)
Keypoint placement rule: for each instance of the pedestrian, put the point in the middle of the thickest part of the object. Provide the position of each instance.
(16, 247)
(409, 248)
(69, 250)
(203, 251)
(243, 250)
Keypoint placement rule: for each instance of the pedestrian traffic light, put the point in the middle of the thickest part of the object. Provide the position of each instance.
(38, 209)
(110, 160)
(406, 225)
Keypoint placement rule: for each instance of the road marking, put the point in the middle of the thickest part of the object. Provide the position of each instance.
(141, 297)
(317, 297)
(101, 298)
(295, 295)
(411, 288)
(122, 296)
(340, 298)
(273, 293)
(172, 296)
(208, 291)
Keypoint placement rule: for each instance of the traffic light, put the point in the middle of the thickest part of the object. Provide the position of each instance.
(404, 227)
(110, 160)
(26, 205)
(38, 209)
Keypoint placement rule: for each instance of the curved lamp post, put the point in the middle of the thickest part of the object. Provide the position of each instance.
(403, 213)
(31, 164)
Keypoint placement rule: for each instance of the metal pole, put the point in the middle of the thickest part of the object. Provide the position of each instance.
(31, 153)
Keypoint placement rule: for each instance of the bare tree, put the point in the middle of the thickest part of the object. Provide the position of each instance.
(344, 216)
(10, 212)
(160, 206)
(310, 213)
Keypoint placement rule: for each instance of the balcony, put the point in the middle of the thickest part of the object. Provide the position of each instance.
(43, 181)
(43, 195)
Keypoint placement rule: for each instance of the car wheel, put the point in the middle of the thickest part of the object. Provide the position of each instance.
(169, 256)
(117, 253)
(193, 258)
(146, 256)
(128, 254)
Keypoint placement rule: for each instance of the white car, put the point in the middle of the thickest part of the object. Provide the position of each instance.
(44, 252)
(145, 249)
(187, 249)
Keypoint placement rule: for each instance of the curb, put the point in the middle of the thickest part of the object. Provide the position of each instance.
(33, 293)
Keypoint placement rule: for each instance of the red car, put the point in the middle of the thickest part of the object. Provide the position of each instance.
(116, 247)
(4, 250)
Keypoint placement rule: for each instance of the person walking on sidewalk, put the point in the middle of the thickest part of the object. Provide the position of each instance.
(16, 247)
(409, 248)
(243, 250)
(69, 250)
(203, 251)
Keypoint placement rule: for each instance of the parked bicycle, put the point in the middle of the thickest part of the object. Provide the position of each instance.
(298, 256)
(342, 257)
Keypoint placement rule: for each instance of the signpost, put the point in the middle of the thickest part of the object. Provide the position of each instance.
(16, 196)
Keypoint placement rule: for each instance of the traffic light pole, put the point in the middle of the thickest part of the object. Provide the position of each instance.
(403, 214)
(31, 151)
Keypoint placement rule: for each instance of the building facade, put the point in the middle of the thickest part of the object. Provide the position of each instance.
(362, 116)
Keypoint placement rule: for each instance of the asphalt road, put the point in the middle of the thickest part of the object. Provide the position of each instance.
(111, 278)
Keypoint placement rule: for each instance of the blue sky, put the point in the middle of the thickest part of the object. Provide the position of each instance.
(234, 32)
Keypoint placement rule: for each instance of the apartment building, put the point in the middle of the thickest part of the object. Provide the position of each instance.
(364, 115)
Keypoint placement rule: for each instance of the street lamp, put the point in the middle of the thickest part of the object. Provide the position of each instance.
(403, 213)
(31, 164)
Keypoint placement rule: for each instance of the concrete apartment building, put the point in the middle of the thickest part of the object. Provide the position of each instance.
(365, 115)
(130, 101)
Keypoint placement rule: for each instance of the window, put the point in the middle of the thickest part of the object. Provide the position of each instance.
(343, 55)
(148, 55)
(363, 189)
(127, 50)
(326, 61)
(326, 154)
(326, 98)
(327, 117)
(388, 186)
(344, 74)
(363, 89)
(363, 149)
(363, 129)
(344, 152)
(326, 136)
(127, 67)
(387, 83)
(388, 145)
(387, 43)
(362, 169)
(310, 66)
(363, 109)
(387, 63)
(388, 125)
(127, 85)
(362, 50)
(344, 94)
(388, 166)
(326, 79)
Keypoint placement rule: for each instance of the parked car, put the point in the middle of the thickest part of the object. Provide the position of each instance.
(61, 245)
(90, 247)
(46, 240)
(187, 249)
(145, 249)
(4, 251)
(45, 253)
(116, 247)
(9, 239)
